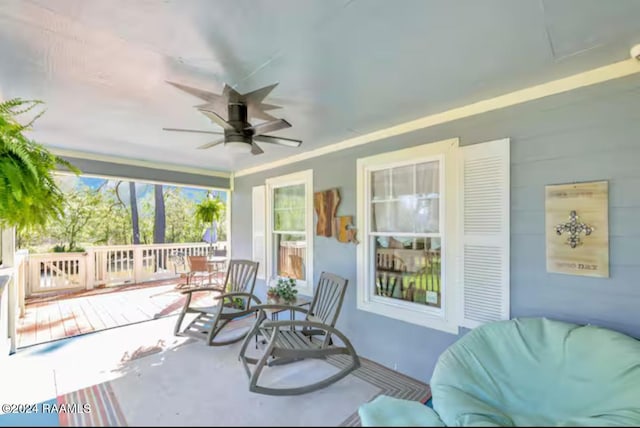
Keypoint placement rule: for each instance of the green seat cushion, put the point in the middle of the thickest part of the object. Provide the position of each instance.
(536, 371)
(395, 412)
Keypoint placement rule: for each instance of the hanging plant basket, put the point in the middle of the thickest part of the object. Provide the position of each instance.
(29, 195)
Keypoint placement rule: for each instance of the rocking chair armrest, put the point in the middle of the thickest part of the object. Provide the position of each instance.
(276, 325)
(262, 307)
(193, 290)
(239, 294)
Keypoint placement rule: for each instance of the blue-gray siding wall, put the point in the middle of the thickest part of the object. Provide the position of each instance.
(588, 134)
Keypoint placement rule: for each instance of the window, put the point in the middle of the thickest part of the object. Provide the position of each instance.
(405, 231)
(407, 209)
(289, 222)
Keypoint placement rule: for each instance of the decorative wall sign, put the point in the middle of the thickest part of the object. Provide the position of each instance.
(577, 228)
(326, 204)
(346, 232)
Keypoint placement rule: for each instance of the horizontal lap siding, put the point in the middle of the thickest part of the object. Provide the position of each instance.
(583, 135)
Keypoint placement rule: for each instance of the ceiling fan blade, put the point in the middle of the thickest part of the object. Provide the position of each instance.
(274, 125)
(200, 93)
(256, 97)
(255, 149)
(265, 107)
(211, 144)
(217, 119)
(289, 142)
(192, 130)
(259, 113)
(217, 106)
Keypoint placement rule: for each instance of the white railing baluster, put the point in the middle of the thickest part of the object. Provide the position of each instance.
(106, 266)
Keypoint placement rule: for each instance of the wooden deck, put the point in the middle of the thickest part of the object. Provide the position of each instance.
(57, 317)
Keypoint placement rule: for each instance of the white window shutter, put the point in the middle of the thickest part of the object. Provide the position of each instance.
(485, 233)
(258, 207)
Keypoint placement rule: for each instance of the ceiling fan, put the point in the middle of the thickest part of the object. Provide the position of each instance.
(238, 134)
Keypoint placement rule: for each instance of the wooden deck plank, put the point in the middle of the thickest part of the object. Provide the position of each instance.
(83, 323)
(130, 311)
(49, 318)
(27, 332)
(56, 322)
(97, 305)
(43, 334)
(44, 325)
(114, 309)
(69, 320)
(92, 315)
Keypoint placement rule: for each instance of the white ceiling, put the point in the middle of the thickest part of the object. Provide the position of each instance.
(344, 67)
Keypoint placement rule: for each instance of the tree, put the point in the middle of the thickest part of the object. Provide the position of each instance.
(159, 223)
(79, 208)
(111, 223)
(134, 212)
(29, 195)
(181, 224)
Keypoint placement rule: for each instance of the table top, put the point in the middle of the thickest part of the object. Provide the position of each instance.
(216, 259)
(299, 301)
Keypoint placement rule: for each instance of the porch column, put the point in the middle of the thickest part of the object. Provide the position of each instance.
(91, 268)
(8, 261)
(8, 247)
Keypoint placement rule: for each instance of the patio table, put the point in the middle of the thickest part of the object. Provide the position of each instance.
(274, 313)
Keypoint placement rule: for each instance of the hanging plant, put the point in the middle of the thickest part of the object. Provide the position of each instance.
(29, 195)
(209, 211)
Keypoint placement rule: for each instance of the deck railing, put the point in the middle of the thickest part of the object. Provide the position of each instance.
(292, 259)
(105, 266)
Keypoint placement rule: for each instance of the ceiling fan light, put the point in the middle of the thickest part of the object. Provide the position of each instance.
(238, 147)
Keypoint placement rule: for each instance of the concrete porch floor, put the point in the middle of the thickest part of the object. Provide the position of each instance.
(143, 375)
(49, 318)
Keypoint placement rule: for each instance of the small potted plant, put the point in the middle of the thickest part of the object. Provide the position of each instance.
(286, 289)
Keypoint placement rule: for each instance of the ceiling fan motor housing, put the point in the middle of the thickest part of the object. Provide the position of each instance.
(241, 132)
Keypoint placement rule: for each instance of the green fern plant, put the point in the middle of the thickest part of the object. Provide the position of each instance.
(29, 195)
(208, 211)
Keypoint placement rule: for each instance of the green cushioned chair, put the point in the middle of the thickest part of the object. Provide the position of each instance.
(526, 372)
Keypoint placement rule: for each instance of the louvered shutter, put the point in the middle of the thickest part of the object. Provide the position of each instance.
(258, 208)
(485, 233)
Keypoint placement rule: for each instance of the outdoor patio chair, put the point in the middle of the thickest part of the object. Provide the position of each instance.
(180, 268)
(288, 341)
(199, 270)
(232, 303)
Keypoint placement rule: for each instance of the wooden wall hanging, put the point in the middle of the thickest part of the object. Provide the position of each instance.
(577, 228)
(326, 204)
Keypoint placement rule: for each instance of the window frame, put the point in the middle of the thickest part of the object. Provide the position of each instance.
(305, 287)
(443, 318)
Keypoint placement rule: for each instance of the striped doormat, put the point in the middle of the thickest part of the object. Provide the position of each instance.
(92, 406)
